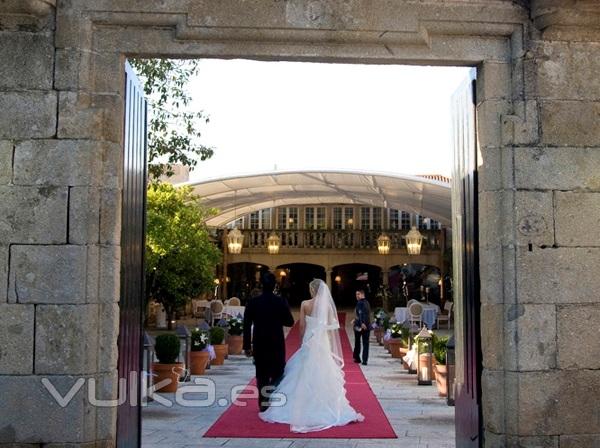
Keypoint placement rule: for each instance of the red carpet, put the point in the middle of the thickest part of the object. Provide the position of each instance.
(243, 421)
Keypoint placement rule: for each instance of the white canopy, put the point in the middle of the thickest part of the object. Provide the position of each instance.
(237, 196)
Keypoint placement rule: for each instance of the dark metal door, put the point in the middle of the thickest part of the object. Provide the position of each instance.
(132, 259)
(466, 268)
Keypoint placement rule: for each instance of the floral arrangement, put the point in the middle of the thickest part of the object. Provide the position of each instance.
(380, 316)
(236, 326)
(396, 330)
(199, 340)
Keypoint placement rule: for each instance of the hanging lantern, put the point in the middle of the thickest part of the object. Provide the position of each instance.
(424, 357)
(273, 243)
(235, 239)
(338, 279)
(414, 239)
(383, 244)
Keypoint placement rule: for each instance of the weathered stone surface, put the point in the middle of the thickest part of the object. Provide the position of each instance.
(579, 398)
(495, 171)
(16, 339)
(72, 71)
(30, 414)
(534, 217)
(495, 227)
(577, 218)
(538, 409)
(564, 70)
(490, 114)
(58, 162)
(580, 441)
(578, 346)
(110, 274)
(496, 273)
(6, 161)
(561, 275)
(107, 339)
(492, 336)
(557, 168)
(48, 274)
(94, 117)
(533, 442)
(30, 55)
(494, 81)
(66, 339)
(570, 123)
(33, 215)
(110, 216)
(27, 115)
(84, 212)
(531, 331)
(492, 381)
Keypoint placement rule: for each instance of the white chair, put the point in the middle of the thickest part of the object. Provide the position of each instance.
(234, 301)
(216, 308)
(415, 313)
(447, 316)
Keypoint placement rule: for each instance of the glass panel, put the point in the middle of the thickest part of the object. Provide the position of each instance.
(394, 219)
(266, 218)
(377, 218)
(292, 217)
(281, 218)
(309, 218)
(321, 217)
(365, 218)
(337, 218)
(349, 218)
(405, 220)
(254, 220)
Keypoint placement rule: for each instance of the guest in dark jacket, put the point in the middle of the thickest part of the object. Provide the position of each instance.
(362, 327)
(264, 319)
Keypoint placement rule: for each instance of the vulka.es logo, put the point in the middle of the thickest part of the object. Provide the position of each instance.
(201, 392)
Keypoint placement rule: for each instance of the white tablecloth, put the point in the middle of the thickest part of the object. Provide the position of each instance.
(401, 314)
(231, 310)
(198, 306)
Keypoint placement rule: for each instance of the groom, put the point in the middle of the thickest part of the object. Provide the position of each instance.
(268, 314)
(362, 327)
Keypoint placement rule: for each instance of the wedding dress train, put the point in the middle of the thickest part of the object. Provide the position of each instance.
(313, 381)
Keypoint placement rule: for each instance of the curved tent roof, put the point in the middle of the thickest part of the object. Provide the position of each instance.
(239, 195)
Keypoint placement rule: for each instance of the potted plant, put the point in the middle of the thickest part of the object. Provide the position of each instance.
(224, 324)
(216, 338)
(199, 356)
(440, 368)
(386, 333)
(378, 329)
(235, 339)
(396, 342)
(167, 348)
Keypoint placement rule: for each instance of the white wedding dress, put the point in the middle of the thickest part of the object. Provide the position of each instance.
(313, 381)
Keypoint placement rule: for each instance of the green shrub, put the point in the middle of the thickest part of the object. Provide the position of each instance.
(216, 335)
(439, 349)
(199, 340)
(167, 348)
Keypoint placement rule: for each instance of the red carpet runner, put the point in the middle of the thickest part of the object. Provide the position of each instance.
(243, 421)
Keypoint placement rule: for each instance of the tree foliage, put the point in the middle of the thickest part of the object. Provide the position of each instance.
(174, 126)
(180, 254)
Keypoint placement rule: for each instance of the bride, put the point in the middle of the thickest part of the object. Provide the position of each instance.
(313, 381)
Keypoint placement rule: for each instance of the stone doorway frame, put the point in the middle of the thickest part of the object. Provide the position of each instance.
(92, 44)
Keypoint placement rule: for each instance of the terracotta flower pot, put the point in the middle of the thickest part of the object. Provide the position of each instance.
(441, 379)
(378, 335)
(386, 344)
(167, 372)
(198, 362)
(395, 345)
(236, 343)
(220, 352)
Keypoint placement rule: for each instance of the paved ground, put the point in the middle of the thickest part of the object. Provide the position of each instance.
(420, 418)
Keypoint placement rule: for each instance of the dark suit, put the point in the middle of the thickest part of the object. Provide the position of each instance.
(269, 314)
(363, 316)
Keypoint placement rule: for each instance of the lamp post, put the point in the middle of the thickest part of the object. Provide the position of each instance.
(383, 244)
(414, 240)
(184, 335)
(451, 369)
(273, 244)
(424, 357)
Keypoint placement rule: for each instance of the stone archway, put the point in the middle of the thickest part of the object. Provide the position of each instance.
(536, 96)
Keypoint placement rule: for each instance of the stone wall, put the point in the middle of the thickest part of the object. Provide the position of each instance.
(61, 97)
